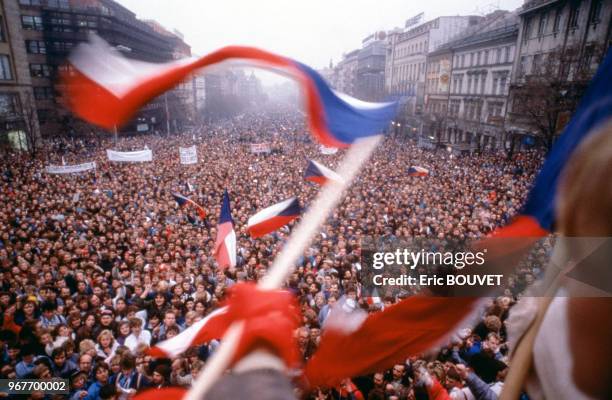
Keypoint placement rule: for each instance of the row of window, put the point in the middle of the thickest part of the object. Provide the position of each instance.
(472, 110)
(40, 47)
(414, 48)
(35, 23)
(409, 72)
(533, 27)
(65, 4)
(476, 83)
(484, 57)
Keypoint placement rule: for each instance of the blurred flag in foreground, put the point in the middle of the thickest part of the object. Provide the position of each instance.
(320, 174)
(225, 247)
(418, 171)
(271, 218)
(106, 89)
(183, 201)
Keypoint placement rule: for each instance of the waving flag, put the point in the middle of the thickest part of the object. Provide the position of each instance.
(412, 326)
(225, 247)
(537, 217)
(418, 171)
(211, 327)
(183, 201)
(271, 218)
(107, 89)
(418, 323)
(320, 174)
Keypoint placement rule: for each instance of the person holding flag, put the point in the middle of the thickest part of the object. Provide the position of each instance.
(225, 245)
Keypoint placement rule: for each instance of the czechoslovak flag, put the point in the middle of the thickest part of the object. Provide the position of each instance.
(271, 218)
(211, 327)
(107, 89)
(320, 174)
(417, 171)
(183, 201)
(225, 247)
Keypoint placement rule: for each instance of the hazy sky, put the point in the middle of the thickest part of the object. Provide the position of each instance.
(311, 31)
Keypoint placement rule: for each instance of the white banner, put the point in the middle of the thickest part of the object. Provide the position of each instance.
(258, 148)
(189, 155)
(328, 150)
(70, 169)
(130, 156)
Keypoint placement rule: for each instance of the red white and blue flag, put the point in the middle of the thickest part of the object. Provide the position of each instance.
(320, 174)
(225, 246)
(211, 327)
(107, 89)
(417, 171)
(184, 201)
(271, 218)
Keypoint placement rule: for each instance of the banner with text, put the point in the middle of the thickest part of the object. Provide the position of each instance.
(189, 155)
(70, 169)
(258, 148)
(130, 156)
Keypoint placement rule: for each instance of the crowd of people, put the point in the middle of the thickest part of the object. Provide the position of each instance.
(98, 266)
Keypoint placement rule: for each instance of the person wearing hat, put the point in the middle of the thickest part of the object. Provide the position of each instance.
(78, 390)
(106, 322)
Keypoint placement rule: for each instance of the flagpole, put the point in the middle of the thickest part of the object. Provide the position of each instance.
(284, 264)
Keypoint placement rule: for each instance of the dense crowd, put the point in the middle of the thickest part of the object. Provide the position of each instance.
(98, 266)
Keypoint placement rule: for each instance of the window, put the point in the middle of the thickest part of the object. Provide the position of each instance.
(62, 46)
(43, 93)
(9, 104)
(502, 84)
(486, 57)
(478, 58)
(494, 88)
(596, 11)
(537, 64)
(573, 16)
(36, 47)
(476, 84)
(462, 60)
(2, 34)
(40, 70)
(557, 22)
(469, 84)
(471, 59)
(5, 68)
(542, 24)
(522, 66)
(507, 54)
(31, 23)
(498, 56)
(526, 29)
(58, 4)
(482, 83)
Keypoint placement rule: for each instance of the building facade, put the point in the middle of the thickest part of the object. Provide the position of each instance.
(370, 73)
(479, 85)
(18, 117)
(407, 55)
(52, 28)
(560, 43)
(345, 73)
